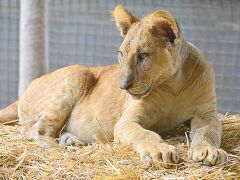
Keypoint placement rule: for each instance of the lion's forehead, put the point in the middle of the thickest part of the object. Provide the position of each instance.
(138, 31)
(138, 37)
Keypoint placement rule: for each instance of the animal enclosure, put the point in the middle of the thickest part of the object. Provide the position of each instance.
(82, 32)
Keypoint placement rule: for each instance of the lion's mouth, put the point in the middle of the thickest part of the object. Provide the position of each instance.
(141, 92)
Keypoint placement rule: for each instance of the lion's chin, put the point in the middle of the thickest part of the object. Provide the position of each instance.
(142, 95)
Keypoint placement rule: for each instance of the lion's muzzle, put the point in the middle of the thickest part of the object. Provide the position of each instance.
(126, 79)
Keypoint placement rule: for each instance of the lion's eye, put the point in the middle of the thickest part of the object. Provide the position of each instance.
(120, 56)
(142, 56)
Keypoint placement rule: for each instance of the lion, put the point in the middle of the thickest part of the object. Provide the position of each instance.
(161, 81)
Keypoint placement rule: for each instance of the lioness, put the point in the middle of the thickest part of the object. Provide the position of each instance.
(163, 80)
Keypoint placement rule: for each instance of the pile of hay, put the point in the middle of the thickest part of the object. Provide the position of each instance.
(23, 159)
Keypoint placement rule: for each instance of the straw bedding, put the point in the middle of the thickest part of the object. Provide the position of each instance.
(23, 159)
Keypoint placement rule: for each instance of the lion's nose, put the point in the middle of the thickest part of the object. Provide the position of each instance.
(125, 84)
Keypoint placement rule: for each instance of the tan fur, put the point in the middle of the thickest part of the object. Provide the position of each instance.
(166, 80)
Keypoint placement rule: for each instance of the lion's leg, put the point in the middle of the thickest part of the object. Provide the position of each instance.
(206, 140)
(150, 146)
(45, 125)
(45, 118)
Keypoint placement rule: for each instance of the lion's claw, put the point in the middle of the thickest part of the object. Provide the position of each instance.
(209, 155)
(159, 155)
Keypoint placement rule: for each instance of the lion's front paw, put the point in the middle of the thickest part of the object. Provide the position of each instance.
(159, 155)
(209, 155)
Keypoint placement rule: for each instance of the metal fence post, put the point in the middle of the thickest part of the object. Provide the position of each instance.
(33, 42)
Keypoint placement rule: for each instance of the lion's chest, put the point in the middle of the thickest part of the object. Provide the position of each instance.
(165, 111)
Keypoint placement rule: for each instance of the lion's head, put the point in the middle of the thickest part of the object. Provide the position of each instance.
(145, 54)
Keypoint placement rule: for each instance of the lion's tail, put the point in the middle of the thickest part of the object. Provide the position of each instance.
(9, 114)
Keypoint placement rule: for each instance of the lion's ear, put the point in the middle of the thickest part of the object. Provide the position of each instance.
(165, 26)
(163, 30)
(124, 19)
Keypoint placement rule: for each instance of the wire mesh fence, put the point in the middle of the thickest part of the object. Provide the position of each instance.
(82, 32)
(9, 41)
